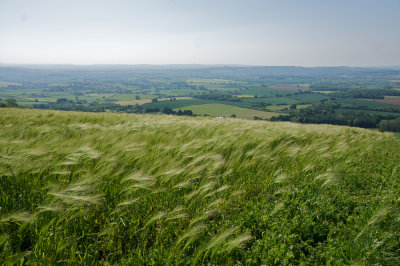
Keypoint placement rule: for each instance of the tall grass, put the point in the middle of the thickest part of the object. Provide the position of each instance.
(130, 189)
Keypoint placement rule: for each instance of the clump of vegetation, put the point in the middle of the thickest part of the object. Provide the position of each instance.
(9, 102)
(390, 125)
(134, 189)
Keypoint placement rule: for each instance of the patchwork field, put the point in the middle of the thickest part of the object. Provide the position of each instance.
(393, 100)
(288, 88)
(281, 107)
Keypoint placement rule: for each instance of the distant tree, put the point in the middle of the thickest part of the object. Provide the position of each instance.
(152, 110)
(293, 107)
(188, 112)
(11, 102)
(62, 100)
(137, 97)
(233, 115)
(168, 111)
(390, 125)
(154, 100)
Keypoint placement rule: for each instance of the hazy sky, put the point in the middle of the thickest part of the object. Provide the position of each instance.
(252, 32)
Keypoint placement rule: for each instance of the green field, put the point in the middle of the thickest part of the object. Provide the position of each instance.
(309, 97)
(267, 92)
(367, 103)
(218, 109)
(274, 100)
(95, 189)
(124, 97)
(282, 107)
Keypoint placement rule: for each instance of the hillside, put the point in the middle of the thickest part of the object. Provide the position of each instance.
(151, 189)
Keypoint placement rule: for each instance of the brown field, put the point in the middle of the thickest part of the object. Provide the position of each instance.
(287, 88)
(394, 100)
(143, 101)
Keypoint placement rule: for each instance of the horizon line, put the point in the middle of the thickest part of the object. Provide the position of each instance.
(196, 64)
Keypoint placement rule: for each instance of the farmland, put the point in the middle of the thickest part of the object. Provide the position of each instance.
(394, 100)
(288, 88)
(281, 91)
(86, 188)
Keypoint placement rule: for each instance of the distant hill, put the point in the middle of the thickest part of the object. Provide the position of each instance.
(85, 188)
(37, 73)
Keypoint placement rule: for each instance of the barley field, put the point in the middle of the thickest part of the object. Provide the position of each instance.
(84, 188)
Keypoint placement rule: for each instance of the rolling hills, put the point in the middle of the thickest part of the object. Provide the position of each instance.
(156, 189)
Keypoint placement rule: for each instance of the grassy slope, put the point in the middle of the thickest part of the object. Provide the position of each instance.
(87, 188)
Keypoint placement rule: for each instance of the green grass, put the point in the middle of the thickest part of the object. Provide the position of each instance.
(218, 109)
(85, 188)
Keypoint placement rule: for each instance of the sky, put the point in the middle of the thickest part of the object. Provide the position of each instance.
(244, 32)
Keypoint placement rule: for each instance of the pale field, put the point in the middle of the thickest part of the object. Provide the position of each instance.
(244, 96)
(281, 107)
(3, 83)
(325, 92)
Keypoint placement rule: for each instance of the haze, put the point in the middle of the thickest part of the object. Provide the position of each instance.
(251, 32)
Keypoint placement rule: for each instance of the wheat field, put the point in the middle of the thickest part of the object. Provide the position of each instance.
(83, 188)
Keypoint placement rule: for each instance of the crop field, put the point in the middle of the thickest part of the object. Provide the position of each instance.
(133, 102)
(364, 102)
(101, 95)
(202, 81)
(244, 96)
(309, 97)
(177, 92)
(5, 84)
(281, 107)
(325, 92)
(393, 100)
(86, 188)
(267, 92)
(273, 100)
(218, 109)
(288, 88)
(124, 97)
